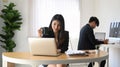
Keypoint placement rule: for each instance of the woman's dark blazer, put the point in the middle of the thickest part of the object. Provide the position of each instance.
(62, 44)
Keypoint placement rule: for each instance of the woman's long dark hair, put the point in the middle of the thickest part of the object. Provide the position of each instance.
(59, 18)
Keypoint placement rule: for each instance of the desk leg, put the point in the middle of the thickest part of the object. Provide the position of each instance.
(99, 64)
(108, 58)
(4, 63)
(33, 65)
(108, 63)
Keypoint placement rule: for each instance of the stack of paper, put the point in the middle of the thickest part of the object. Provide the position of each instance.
(76, 52)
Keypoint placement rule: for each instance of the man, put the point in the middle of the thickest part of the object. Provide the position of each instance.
(87, 39)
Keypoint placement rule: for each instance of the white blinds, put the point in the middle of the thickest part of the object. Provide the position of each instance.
(42, 12)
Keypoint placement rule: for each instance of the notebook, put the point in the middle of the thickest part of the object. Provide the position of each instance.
(43, 46)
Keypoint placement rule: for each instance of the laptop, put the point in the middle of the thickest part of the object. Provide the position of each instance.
(43, 46)
(100, 36)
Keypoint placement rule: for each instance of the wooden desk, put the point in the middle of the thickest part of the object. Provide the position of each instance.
(27, 58)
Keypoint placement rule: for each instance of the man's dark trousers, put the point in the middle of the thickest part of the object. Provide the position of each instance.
(102, 64)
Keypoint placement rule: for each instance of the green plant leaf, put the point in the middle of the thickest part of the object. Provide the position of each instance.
(2, 36)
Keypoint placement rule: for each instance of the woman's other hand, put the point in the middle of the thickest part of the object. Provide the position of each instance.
(59, 50)
(40, 32)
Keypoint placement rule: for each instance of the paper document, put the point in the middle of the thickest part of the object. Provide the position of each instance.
(76, 52)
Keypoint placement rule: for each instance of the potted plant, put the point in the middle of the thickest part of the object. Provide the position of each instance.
(12, 21)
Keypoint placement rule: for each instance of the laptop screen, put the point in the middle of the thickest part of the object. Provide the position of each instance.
(100, 35)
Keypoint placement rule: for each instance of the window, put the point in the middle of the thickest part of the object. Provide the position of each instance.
(42, 12)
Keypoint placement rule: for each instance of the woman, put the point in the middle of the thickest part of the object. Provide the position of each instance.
(61, 36)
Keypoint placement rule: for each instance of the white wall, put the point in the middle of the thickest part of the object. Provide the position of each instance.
(1, 24)
(87, 9)
(107, 11)
(21, 36)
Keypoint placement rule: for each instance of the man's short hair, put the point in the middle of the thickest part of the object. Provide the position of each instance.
(94, 19)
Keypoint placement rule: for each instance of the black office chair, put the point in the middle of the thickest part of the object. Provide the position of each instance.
(67, 65)
(45, 65)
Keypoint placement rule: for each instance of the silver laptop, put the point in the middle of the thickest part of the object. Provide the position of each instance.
(43, 46)
(100, 36)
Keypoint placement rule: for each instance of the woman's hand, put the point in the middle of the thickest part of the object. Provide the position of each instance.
(40, 32)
